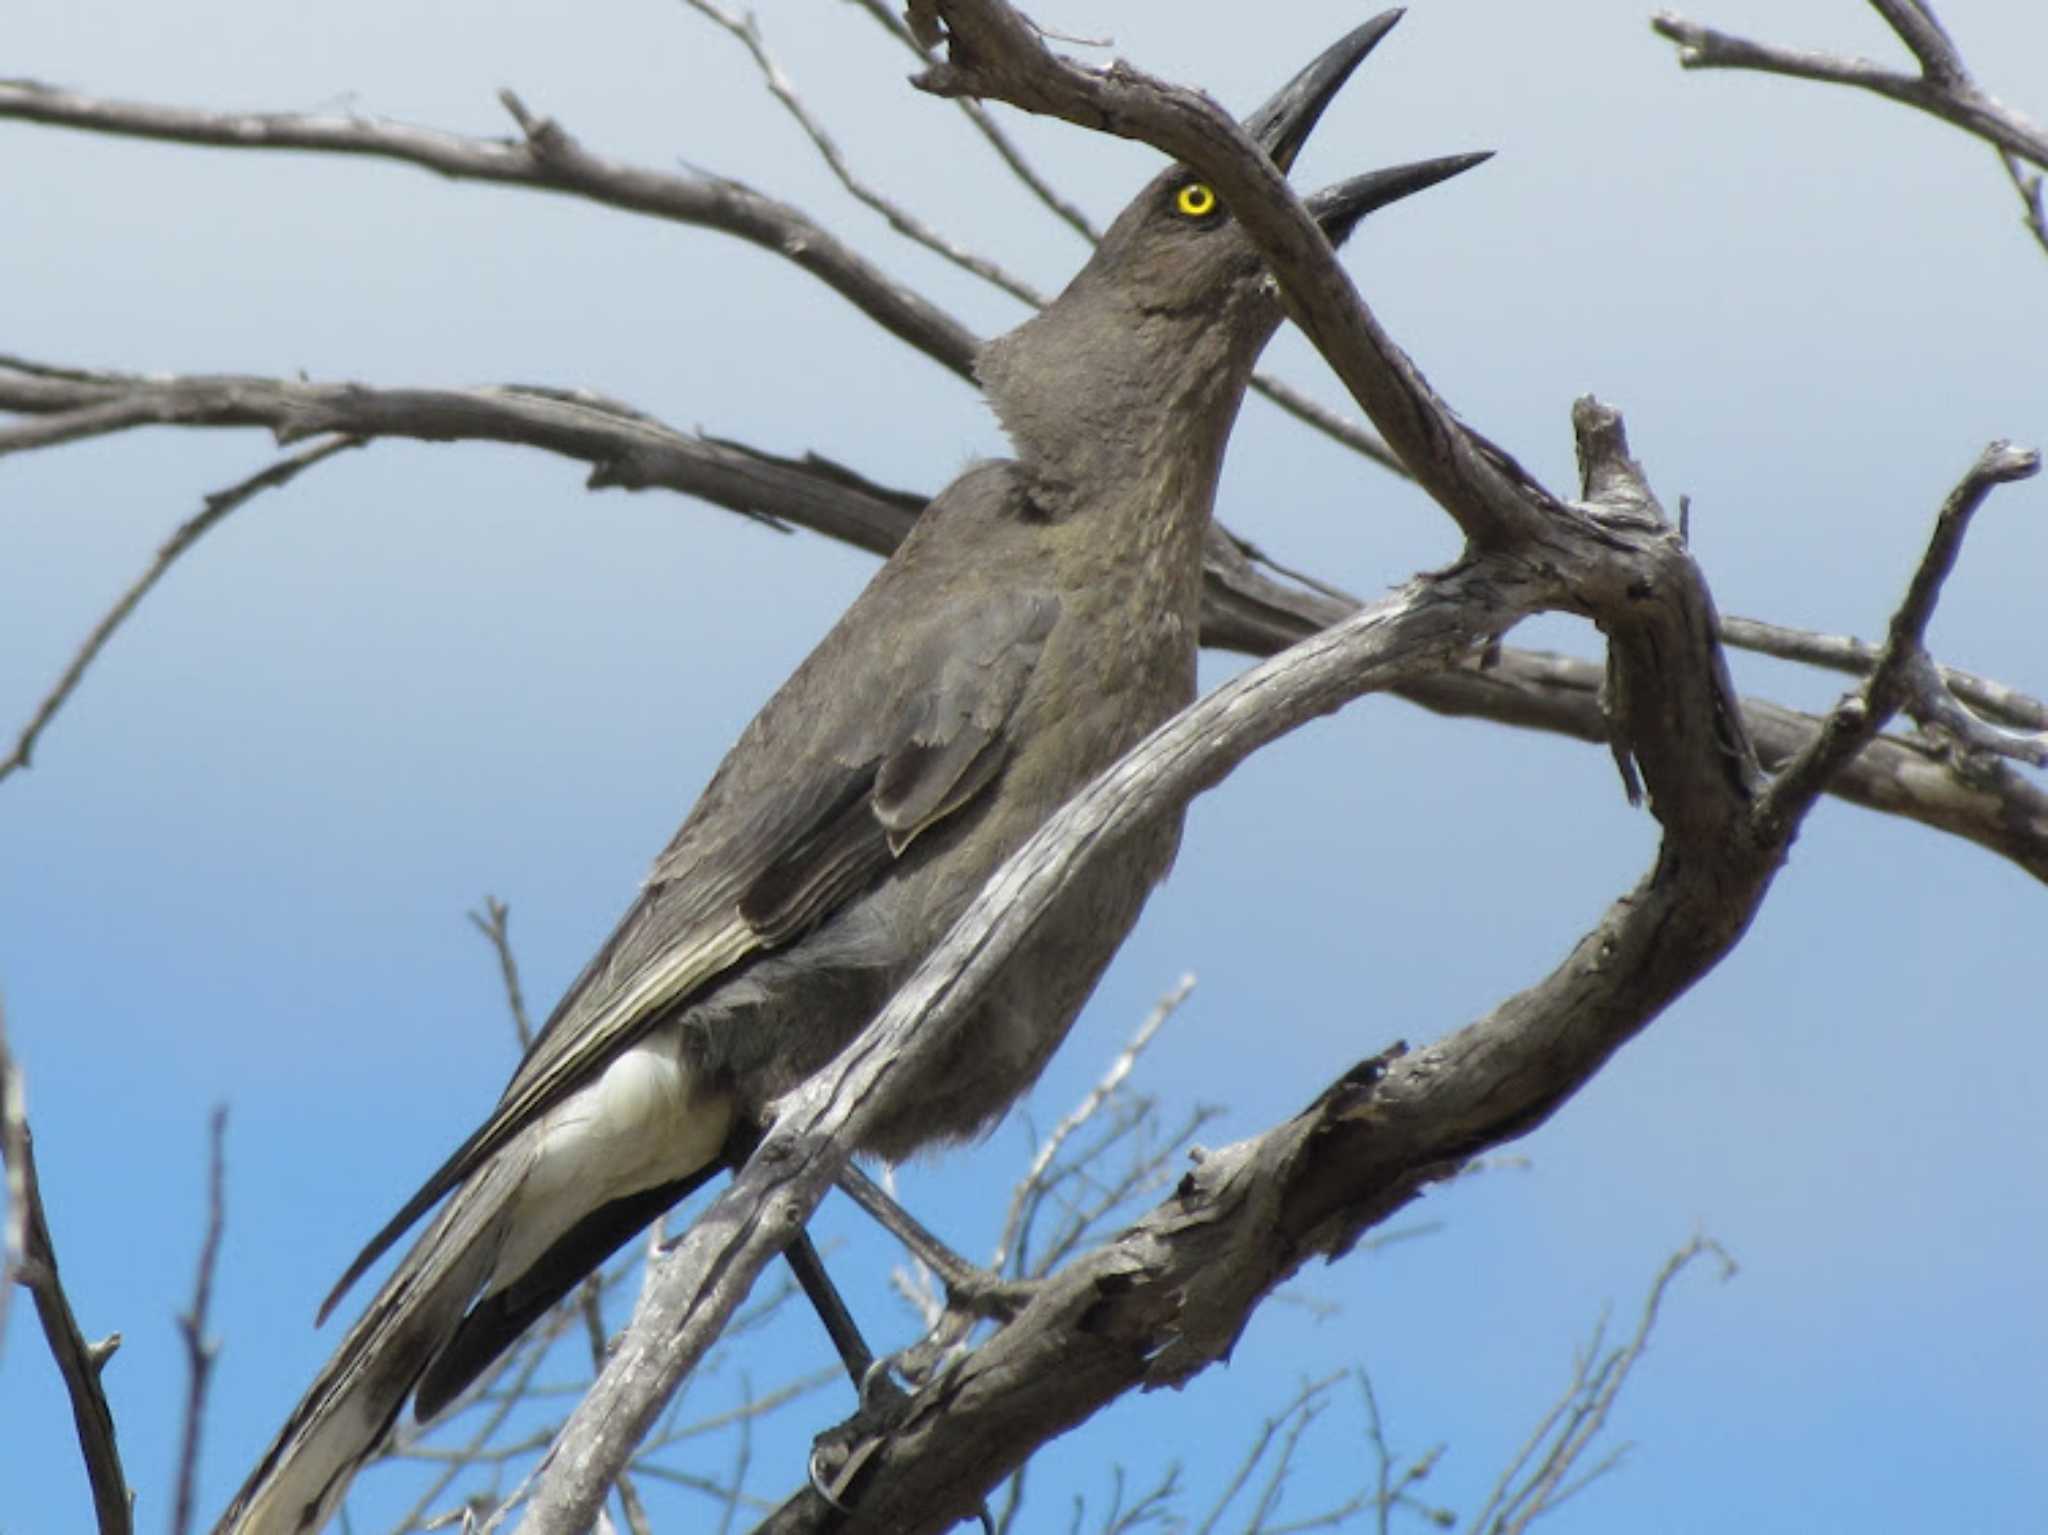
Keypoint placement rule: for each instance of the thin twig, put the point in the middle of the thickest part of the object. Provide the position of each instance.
(200, 1350)
(1082, 1112)
(1302, 1419)
(217, 507)
(742, 1458)
(1005, 148)
(1575, 1421)
(1308, 1394)
(899, 218)
(494, 922)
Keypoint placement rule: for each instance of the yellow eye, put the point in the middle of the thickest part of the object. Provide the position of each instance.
(1196, 200)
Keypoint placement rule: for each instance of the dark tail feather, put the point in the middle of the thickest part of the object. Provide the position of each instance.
(496, 1322)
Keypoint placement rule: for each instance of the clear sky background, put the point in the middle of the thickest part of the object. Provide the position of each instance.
(238, 870)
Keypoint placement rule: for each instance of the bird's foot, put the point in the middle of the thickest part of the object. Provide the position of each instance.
(986, 1295)
(841, 1453)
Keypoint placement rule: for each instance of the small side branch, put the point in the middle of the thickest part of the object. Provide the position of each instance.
(1903, 662)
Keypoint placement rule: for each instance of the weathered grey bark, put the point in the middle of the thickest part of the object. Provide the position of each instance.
(1163, 1303)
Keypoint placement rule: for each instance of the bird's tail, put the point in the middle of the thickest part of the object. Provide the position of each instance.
(349, 1409)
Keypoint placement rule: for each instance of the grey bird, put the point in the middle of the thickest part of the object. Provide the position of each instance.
(1039, 620)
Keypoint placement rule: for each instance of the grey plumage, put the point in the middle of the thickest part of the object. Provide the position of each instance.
(1037, 622)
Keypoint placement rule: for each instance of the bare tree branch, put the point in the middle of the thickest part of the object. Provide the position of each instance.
(2033, 209)
(1844, 653)
(1490, 1081)
(1288, 1421)
(1390, 1491)
(1943, 88)
(32, 1264)
(1172, 1294)
(546, 158)
(704, 1277)
(995, 54)
(1244, 609)
(14, 1152)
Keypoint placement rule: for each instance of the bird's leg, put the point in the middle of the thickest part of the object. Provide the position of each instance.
(981, 1293)
(809, 1268)
(802, 1256)
(839, 1456)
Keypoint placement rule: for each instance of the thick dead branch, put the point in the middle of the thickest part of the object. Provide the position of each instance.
(708, 1273)
(32, 1263)
(1171, 1296)
(625, 448)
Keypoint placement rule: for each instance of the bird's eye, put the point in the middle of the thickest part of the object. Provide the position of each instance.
(1197, 200)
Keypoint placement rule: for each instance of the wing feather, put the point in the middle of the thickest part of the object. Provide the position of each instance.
(858, 780)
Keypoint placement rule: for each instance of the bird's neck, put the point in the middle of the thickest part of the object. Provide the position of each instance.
(1125, 449)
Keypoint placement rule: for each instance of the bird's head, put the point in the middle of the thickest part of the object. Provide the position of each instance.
(1175, 305)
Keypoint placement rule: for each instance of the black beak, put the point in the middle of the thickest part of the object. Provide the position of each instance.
(1339, 208)
(1283, 125)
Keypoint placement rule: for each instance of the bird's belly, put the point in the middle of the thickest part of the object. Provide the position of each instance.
(649, 1119)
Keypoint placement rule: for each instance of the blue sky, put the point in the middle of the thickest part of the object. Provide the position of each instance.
(238, 870)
